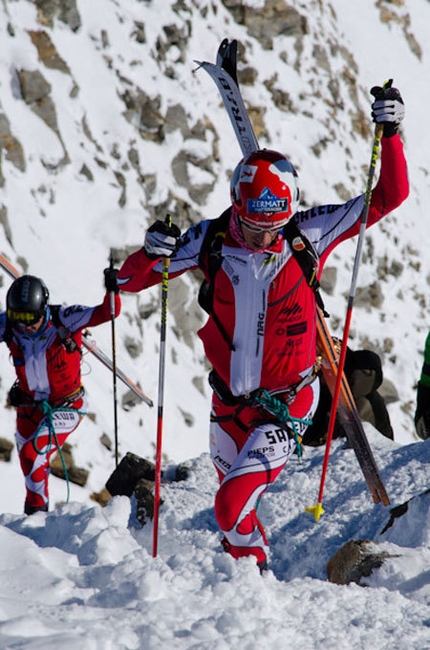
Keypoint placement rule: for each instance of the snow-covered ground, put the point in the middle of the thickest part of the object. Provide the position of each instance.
(84, 577)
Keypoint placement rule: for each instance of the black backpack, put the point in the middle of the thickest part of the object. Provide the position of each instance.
(210, 260)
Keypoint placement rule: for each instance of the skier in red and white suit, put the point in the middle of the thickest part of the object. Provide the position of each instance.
(46, 354)
(261, 330)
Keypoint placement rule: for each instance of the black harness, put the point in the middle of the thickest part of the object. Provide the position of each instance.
(210, 260)
(16, 396)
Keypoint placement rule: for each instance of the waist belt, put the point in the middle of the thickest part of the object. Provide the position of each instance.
(68, 400)
(223, 392)
(18, 397)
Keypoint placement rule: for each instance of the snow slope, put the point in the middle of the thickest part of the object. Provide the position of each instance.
(83, 576)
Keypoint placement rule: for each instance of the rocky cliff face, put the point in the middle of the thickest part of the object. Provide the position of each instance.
(105, 125)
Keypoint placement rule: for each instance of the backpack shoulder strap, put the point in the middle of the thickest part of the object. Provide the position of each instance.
(55, 315)
(63, 332)
(210, 260)
(210, 252)
(7, 334)
(306, 257)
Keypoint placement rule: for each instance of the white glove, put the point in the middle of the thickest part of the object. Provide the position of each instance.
(388, 108)
(161, 240)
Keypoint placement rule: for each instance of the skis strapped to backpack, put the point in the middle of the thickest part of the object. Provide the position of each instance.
(225, 77)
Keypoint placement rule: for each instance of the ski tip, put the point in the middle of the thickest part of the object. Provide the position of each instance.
(199, 64)
(223, 51)
(316, 511)
(227, 58)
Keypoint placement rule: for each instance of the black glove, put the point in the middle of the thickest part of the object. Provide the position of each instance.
(161, 240)
(111, 283)
(422, 413)
(388, 108)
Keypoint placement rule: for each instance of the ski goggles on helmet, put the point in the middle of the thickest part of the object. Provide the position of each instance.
(261, 227)
(27, 318)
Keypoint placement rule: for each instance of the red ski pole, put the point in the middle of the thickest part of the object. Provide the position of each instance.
(318, 510)
(161, 373)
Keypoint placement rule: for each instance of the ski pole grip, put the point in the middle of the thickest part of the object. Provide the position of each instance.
(379, 130)
(166, 260)
(112, 295)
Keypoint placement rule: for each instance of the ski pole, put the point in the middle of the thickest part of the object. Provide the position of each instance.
(114, 371)
(318, 510)
(161, 372)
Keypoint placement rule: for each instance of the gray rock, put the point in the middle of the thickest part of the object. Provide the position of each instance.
(354, 561)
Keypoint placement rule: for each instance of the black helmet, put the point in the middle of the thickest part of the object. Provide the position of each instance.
(27, 299)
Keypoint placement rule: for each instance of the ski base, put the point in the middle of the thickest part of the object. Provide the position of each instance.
(348, 413)
(223, 74)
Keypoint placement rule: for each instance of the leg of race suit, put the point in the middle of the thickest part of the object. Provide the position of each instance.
(257, 465)
(36, 444)
(248, 460)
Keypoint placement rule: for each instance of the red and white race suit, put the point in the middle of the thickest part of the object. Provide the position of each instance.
(267, 314)
(51, 394)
